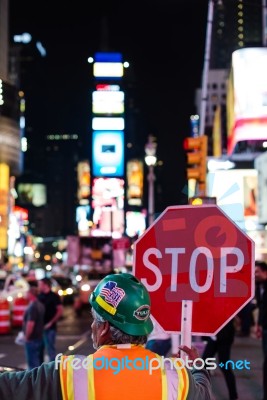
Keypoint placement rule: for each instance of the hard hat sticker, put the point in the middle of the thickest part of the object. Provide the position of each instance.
(142, 312)
(112, 294)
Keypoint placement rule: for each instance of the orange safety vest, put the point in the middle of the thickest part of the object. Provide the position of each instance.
(121, 372)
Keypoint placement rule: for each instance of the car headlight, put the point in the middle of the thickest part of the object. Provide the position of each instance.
(69, 290)
(85, 287)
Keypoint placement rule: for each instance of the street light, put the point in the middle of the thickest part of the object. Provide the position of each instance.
(150, 160)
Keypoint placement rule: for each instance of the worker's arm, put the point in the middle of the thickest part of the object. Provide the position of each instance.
(40, 383)
(199, 378)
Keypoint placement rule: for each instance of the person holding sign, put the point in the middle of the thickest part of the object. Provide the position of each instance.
(121, 367)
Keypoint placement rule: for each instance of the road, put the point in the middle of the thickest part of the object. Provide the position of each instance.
(74, 337)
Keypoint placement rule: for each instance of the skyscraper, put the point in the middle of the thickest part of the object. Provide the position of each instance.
(236, 24)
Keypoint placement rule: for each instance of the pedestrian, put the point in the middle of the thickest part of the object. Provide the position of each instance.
(33, 326)
(53, 312)
(221, 344)
(119, 367)
(261, 329)
(246, 318)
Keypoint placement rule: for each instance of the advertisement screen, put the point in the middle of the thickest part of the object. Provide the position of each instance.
(135, 181)
(84, 181)
(107, 123)
(108, 206)
(135, 223)
(250, 82)
(108, 153)
(108, 70)
(236, 192)
(108, 102)
(31, 194)
(82, 219)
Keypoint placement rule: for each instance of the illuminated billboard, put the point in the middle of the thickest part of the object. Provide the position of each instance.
(84, 181)
(247, 98)
(135, 181)
(250, 82)
(108, 153)
(31, 194)
(4, 204)
(135, 223)
(108, 206)
(108, 70)
(236, 192)
(108, 102)
(108, 123)
(108, 56)
(82, 219)
(107, 87)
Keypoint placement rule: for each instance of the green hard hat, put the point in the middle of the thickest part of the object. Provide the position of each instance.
(124, 301)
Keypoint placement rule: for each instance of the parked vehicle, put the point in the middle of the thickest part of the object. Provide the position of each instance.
(12, 286)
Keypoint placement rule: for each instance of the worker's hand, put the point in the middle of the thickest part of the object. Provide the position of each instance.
(192, 353)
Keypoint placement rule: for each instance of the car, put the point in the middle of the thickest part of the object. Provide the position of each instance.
(86, 285)
(64, 287)
(12, 286)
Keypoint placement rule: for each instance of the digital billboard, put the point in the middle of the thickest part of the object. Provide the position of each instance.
(31, 194)
(135, 182)
(135, 223)
(82, 219)
(108, 123)
(108, 206)
(250, 82)
(84, 181)
(108, 70)
(108, 153)
(108, 102)
(4, 193)
(236, 193)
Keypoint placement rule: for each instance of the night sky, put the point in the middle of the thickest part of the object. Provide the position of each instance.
(164, 42)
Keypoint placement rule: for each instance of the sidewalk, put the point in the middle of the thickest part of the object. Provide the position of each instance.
(249, 382)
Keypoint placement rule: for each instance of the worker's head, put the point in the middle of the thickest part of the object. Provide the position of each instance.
(121, 311)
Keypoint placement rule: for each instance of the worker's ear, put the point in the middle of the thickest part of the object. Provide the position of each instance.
(105, 329)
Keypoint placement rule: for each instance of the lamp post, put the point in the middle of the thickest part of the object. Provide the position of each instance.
(150, 160)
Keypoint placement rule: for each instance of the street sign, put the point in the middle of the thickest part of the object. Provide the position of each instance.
(196, 254)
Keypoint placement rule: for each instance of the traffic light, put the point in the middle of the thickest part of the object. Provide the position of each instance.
(196, 148)
(199, 200)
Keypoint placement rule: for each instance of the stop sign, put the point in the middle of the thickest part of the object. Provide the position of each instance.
(195, 253)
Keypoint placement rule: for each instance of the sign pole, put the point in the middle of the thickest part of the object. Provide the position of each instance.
(186, 324)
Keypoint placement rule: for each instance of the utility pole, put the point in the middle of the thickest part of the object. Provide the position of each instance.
(204, 84)
(151, 160)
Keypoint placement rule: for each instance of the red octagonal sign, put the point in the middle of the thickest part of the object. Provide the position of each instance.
(195, 253)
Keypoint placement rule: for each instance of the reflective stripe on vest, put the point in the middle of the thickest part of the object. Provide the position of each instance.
(183, 381)
(80, 380)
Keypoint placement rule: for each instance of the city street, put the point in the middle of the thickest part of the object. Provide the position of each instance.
(75, 332)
